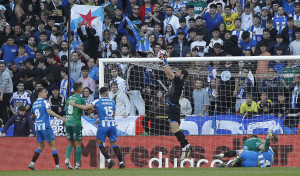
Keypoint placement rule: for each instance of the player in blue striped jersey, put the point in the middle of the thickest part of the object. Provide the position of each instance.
(106, 125)
(42, 112)
(280, 21)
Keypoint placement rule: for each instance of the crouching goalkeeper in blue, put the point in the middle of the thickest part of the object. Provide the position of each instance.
(106, 126)
(251, 159)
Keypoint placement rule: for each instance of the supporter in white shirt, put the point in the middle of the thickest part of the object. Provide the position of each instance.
(121, 99)
(185, 106)
(171, 19)
(115, 78)
(247, 18)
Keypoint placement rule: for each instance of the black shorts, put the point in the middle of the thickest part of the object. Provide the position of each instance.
(174, 113)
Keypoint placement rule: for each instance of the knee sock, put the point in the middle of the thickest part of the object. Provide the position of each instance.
(55, 157)
(68, 151)
(118, 153)
(267, 144)
(103, 151)
(78, 154)
(181, 138)
(230, 153)
(36, 155)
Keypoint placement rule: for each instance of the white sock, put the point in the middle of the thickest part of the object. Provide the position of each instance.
(187, 146)
(108, 160)
(222, 155)
(121, 162)
(77, 164)
(184, 149)
(57, 165)
(32, 163)
(67, 160)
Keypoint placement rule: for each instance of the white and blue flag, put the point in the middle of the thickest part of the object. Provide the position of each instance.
(93, 15)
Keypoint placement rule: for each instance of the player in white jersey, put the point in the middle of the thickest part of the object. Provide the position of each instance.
(19, 98)
(42, 112)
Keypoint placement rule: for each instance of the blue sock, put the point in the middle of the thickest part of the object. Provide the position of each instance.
(100, 145)
(114, 146)
(54, 152)
(38, 151)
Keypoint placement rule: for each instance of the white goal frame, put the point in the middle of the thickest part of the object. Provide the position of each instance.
(188, 59)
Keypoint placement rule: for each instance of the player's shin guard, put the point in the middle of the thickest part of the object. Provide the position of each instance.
(55, 157)
(36, 155)
(78, 154)
(181, 138)
(118, 152)
(68, 151)
(230, 153)
(103, 151)
(267, 144)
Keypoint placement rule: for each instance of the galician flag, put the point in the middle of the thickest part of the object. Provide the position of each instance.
(92, 15)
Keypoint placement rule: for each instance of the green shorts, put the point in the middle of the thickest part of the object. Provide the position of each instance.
(252, 144)
(74, 133)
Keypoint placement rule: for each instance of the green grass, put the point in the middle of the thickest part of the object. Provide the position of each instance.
(283, 171)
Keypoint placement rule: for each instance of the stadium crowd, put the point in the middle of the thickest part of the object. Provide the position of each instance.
(34, 52)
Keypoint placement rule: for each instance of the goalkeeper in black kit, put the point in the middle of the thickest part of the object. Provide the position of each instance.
(173, 104)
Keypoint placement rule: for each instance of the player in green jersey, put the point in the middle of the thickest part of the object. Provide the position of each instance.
(252, 144)
(73, 126)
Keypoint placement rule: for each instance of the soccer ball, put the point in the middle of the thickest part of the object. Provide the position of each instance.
(162, 54)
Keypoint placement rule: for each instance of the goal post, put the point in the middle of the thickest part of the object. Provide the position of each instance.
(222, 105)
(186, 59)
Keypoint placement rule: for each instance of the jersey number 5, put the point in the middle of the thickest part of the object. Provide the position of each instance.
(108, 110)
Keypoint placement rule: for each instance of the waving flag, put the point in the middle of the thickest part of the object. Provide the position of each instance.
(142, 41)
(93, 15)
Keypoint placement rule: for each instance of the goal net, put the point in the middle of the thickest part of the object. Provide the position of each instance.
(225, 101)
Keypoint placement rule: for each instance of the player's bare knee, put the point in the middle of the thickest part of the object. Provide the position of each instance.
(112, 143)
(41, 145)
(52, 145)
(77, 143)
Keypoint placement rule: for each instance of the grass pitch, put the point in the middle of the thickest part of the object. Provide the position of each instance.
(283, 171)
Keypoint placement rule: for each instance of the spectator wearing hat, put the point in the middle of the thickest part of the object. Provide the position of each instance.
(264, 17)
(57, 101)
(180, 44)
(23, 124)
(288, 33)
(212, 19)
